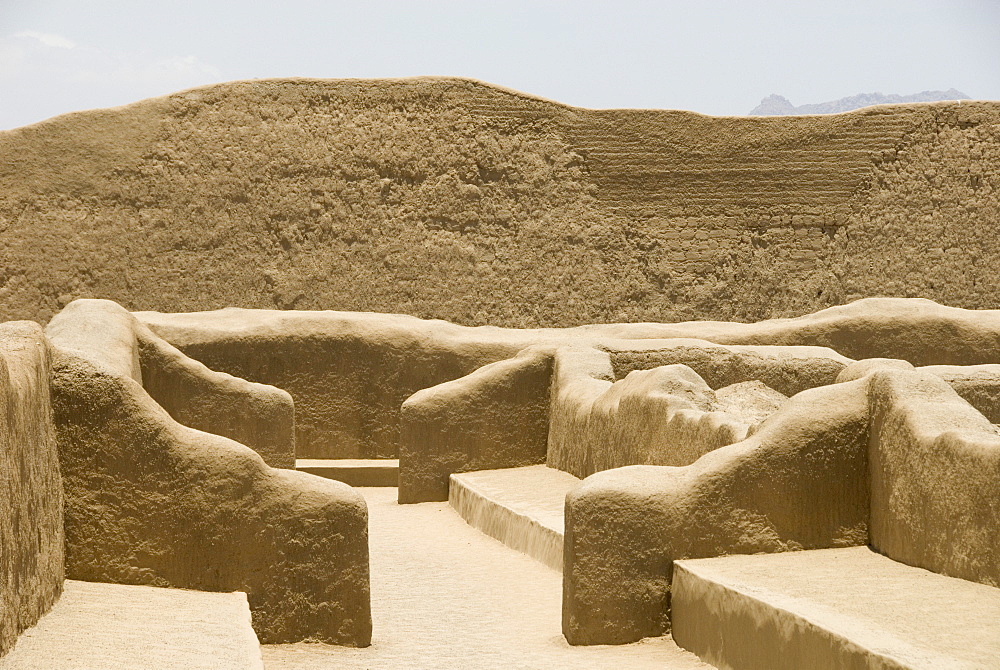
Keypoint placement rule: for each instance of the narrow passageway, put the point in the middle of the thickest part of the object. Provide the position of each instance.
(444, 595)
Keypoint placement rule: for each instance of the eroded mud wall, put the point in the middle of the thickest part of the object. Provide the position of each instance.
(935, 479)
(150, 501)
(348, 375)
(455, 199)
(31, 498)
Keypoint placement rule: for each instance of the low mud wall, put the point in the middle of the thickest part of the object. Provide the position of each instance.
(935, 478)
(31, 497)
(800, 482)
(150, 501)
(496, 417)
(347, 373)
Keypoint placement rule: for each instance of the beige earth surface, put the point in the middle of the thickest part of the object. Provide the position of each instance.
(444, 596)
(96, 626)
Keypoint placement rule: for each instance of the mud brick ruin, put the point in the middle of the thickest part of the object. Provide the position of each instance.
(286, 363)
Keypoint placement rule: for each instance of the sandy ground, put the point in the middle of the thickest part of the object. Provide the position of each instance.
(446, 596)
(97, 626)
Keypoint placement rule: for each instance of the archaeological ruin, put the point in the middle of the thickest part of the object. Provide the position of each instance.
(427, 373)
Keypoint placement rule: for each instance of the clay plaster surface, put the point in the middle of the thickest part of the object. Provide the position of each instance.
(521, 507)
(799, 480)
(890, 456)
(349, 372)
(31, 498)
(833, 608)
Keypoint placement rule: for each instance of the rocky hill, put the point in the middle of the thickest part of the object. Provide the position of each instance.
(776, 105)
(456, 199)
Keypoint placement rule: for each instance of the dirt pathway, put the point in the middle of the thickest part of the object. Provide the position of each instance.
(446, 596)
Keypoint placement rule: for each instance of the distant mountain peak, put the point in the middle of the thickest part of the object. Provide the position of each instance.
(773, 105)
(776, 105)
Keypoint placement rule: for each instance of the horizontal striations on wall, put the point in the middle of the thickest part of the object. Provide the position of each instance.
(456, 199)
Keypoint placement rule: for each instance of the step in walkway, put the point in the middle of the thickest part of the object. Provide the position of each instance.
(445, 596)
(521, 507)
(353, 471)
(95, 626)
(832, 608)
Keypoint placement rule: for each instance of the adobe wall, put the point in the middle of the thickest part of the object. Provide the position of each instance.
(348, 373)
(894, 448)
(978, 385)
(935, 478)
(455, 199)
(151, 501)
(495, 417)
(665, 415)
(800, 482)
(31, 495)
(257, 415)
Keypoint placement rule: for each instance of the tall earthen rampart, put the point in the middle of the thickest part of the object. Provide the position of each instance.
(455, 199)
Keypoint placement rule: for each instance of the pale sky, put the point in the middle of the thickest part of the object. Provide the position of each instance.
(707, 56)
